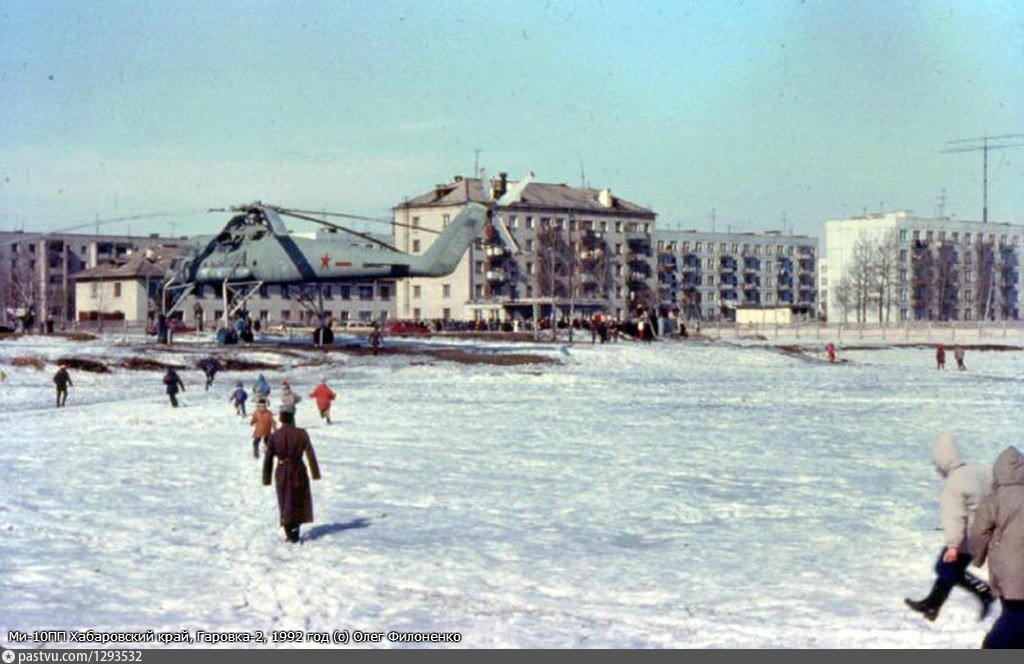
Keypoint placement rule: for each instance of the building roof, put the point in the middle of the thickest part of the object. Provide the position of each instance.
(149, 263)
(535, 195)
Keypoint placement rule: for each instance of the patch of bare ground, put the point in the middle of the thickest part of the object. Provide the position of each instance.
(28, 362)
(82, 364)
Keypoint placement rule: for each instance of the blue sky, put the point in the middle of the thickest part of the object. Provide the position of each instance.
(806, 109)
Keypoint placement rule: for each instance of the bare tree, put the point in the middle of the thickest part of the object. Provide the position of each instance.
(843, 296)
(862, 277)
(885, 261)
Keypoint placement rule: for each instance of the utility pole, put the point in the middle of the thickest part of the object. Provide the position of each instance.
(572, 269)
(987, 143)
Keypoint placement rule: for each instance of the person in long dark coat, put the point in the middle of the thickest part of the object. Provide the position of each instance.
(294, 498)
(174, 384)
(62, 380)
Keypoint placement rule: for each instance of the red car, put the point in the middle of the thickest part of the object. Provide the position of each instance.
(399, 327)
(174, 325)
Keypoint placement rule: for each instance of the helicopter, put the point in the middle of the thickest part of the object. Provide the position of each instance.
(255, 249)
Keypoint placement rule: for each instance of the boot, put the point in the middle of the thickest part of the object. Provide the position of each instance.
(293, 533)
(930, 605)
(979, 589)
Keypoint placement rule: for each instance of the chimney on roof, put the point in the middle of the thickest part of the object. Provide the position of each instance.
(499, 185)
(605, 198)
(458, 178)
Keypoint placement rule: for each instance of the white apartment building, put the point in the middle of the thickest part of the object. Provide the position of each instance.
(550, 249)
(708, 275)
(894, 267)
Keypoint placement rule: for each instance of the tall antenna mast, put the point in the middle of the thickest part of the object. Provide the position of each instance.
(712, 220)
(476, 163)
(987, 143)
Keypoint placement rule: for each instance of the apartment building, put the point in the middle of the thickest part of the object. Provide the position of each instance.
(705, 275)
(895, 266)
(37, 270)
(550, 249)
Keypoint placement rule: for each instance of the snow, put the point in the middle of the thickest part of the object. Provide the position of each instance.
(687, 495)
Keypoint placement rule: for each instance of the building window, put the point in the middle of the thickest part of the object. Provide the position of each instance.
(513, 221)
(529, 245)
(417, 292)
(446, 314)
(345, 292)
(416, 314)
(285, 315)
(529, 268)
(385, 292)
(117, 289)
(415, 222)
(697, 247)
(445, 220)
(94, 289)
(618, 249)
(328, 293)
(618, 226)
(545, 223)
(529, 222)
(415, 246)
(446, 290)
(366, 292)
(479, 267)
(603, 226)
(478, 291)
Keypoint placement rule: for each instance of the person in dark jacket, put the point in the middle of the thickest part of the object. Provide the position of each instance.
(958, 355)
(63, 381)
(963, 489)
(940, 357)
(210, 368)
(174, 385)
(997, 534)
(238, 398)
(294, 499)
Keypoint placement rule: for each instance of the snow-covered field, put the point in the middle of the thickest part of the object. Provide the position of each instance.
(672, 495)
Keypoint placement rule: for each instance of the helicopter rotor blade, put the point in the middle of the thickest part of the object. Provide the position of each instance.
(297, 215)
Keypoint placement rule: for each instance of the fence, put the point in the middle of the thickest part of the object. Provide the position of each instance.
(1009, 331)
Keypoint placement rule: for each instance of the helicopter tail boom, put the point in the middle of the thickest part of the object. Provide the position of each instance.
(447, 250)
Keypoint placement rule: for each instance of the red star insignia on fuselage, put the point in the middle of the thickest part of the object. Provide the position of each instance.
(325, 260)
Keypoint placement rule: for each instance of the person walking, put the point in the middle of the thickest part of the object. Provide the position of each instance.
(174, 385)
(294, 498)
(940, 357)
(63, 381)
(958, 355)
(261, 389)
(965, 486)
(997, 534)
(288, 398)
(263, 424)
(324, 396)
(830, 348)
(238, 398)
(210, 368)
(376, 339)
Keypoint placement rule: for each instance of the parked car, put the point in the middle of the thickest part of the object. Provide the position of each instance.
(173, 324)
(400, 327)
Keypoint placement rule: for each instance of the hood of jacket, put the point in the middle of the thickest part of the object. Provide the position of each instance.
(945, 455)
(1009, 468)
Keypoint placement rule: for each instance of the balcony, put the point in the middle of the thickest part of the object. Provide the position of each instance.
(496, 251)
(497, 276)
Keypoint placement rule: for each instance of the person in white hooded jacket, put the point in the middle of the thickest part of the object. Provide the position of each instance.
(964, 488)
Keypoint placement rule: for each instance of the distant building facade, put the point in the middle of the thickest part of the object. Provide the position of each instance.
(897, 267)
(37, 271)
(706, 276)
(551, 248)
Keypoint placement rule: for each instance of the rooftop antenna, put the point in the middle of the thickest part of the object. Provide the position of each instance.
(476, 162)
(583, 176)
(712, 220)
(942, 204)
(987, 143)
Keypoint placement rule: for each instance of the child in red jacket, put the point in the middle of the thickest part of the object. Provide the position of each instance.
(324, 396)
